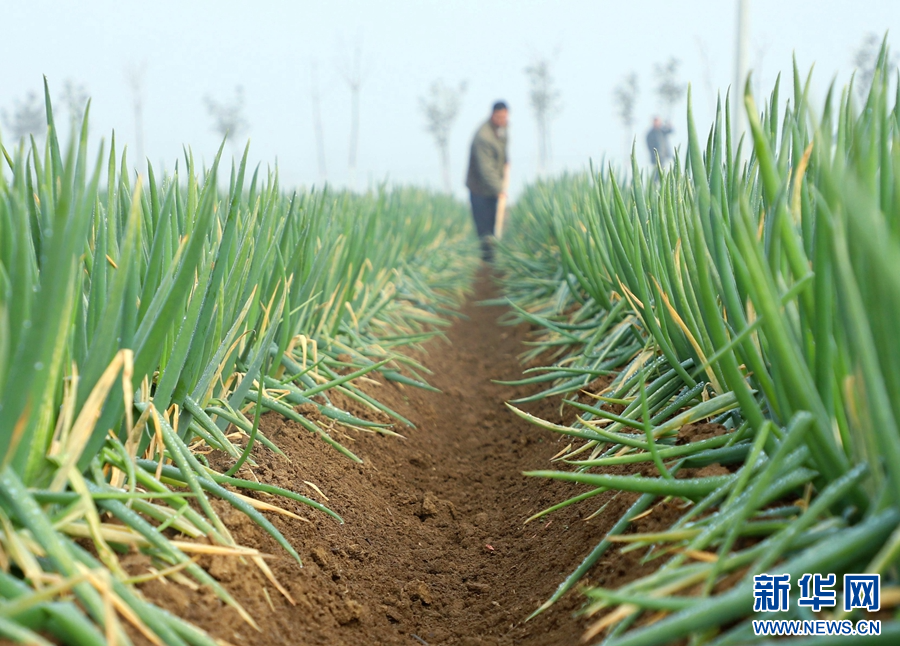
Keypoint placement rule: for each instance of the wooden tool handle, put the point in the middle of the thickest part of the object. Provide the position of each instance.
(501, 205)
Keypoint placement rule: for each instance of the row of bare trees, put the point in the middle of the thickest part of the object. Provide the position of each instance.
(669, 90)
(27, 118)
(441, 106)
(667, 87)
(229, 118)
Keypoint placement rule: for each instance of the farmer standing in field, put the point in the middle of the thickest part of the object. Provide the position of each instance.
(658, 142)
(488, 176)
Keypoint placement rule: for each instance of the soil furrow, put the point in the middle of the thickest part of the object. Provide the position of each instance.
(433, 549)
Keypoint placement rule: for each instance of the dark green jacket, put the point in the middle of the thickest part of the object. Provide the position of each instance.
(487, 160)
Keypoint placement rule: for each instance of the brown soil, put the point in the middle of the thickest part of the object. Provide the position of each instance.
(433, 549)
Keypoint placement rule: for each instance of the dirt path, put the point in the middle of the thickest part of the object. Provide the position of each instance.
(434, 549)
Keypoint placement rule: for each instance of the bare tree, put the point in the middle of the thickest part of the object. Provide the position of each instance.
(441, 107)
(669, 91)
(317, 120)
(865, 59)
(75, 98)
(352, 73)
(625, 97)
(27, 118)
(544, 99)
(134, 74)
(228, 116)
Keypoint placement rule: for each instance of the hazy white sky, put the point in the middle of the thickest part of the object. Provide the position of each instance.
(192, 48)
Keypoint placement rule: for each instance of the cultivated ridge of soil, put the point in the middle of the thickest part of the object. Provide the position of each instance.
(433, 549)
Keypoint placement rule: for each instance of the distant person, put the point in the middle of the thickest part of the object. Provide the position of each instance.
(487, 169)
(658, 141)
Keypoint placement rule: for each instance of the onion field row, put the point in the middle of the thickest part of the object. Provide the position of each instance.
(753, 285)
(145, 322)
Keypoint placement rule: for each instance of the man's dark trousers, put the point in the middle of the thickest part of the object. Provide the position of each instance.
(484, 211)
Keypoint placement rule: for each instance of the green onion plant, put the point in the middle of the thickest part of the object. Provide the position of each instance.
(753, 285)
(147, 320)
